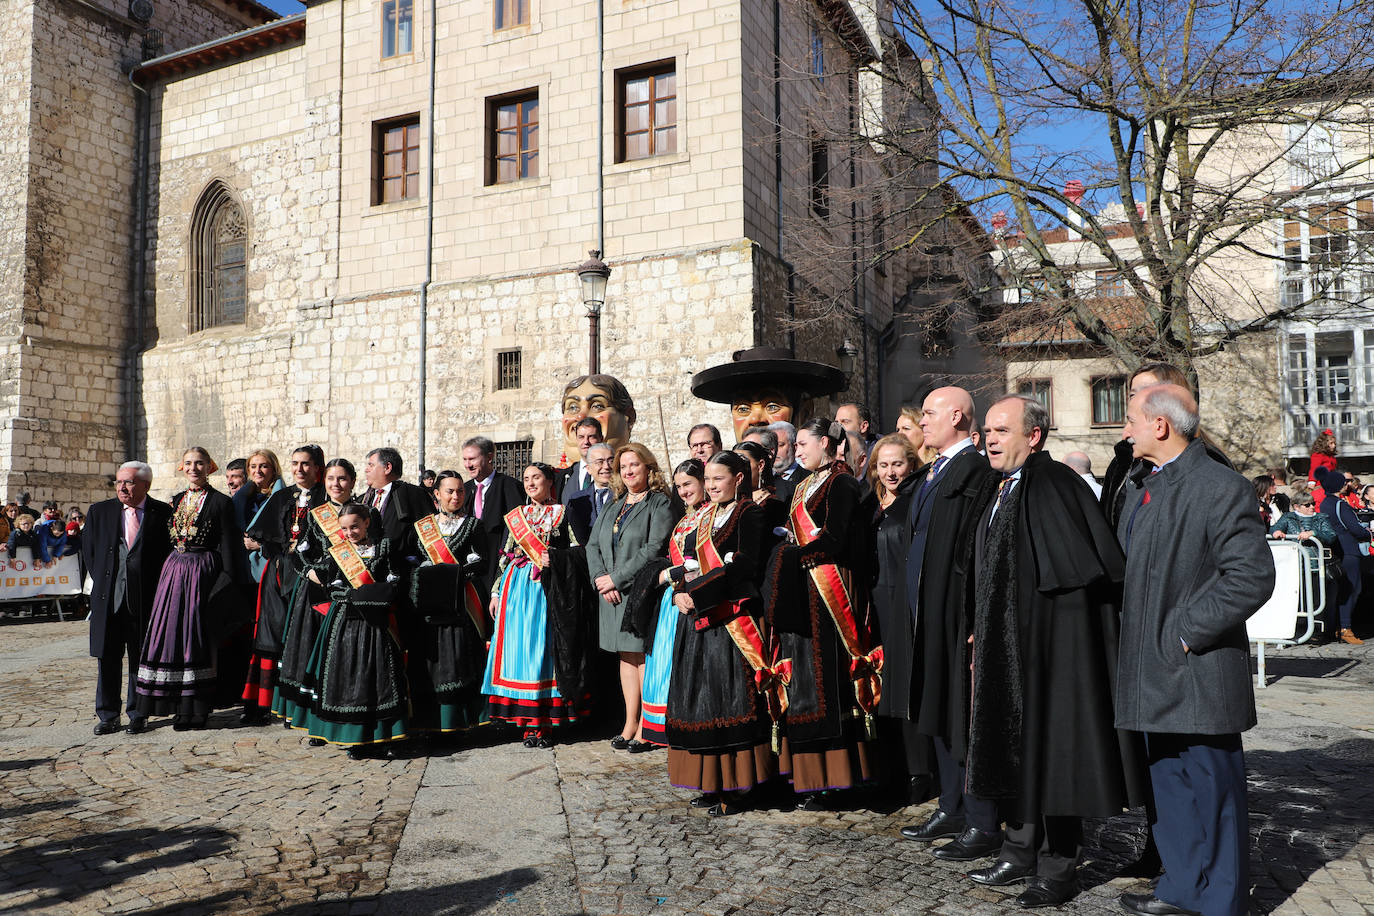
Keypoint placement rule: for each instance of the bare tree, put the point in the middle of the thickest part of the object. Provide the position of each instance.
(1198, 130)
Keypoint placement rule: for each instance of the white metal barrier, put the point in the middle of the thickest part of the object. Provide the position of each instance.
(1293, 612)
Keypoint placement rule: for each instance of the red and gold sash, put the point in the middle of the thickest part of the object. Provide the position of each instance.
(327, 517)
(677, 544)
(834, 586)
(532, 543)
(770, 679)
(436, 548)
(351, 563)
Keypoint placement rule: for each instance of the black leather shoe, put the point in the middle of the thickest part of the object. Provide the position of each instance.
(180, 724)
(704, 801)
(107, 728)
(1047, 892)
(619, 743)
(939, 825)
(1150, 905)
(971, 844)
(922, 790)
(137, 726)
(641, 747)
(317, 742)
(1147, 866)
(1001, 873)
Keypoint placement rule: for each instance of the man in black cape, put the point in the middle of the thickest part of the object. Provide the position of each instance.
(1046, 604)
(944, 509)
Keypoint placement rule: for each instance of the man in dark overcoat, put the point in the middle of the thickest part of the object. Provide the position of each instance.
(1045, 607)
(1197, 566)
(124, 544)
(944, 510)
(400, 504)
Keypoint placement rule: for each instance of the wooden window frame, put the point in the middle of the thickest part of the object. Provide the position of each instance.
(1035, 382)
(204, 308)
(1094, 422)
(382, 29)
(520, 9)
(494, 105)
(653, 71)
(380, 129)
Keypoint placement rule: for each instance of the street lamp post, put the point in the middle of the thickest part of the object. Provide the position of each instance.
(593, 273)
(847, 353)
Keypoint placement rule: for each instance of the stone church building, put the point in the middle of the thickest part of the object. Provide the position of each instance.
(360, 225)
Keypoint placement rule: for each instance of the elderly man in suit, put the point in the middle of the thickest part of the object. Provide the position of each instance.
(399, 504)
(576, 479)
(490, 494)
(585, 508)
(1197, 566)
(124, 544)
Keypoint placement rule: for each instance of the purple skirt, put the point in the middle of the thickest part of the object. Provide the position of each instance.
(176, 672)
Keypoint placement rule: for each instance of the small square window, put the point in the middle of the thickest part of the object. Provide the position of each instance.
(646, 111)
(512, 137)
(398, 19)
(510, 13)
(396, 160)
(1109, 400)
(507, 370)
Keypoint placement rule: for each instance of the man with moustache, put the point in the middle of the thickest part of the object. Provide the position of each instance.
(124, 544)
(1045, 606)
(944, 510)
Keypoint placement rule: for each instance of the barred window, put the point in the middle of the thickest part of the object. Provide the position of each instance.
(513, 457)
(507, 369)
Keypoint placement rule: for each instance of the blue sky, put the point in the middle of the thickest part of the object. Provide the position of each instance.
(285, 7)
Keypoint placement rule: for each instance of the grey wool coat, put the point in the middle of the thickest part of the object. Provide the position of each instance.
(644, 534)
(1197, 566)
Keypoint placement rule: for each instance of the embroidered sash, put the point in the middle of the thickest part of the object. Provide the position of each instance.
(436, 548)
(834, 586)
(771, 680)
(327, 517)
(532, 543)
(351, 563)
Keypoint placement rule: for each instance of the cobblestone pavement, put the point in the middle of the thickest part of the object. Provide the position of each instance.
(251, 820)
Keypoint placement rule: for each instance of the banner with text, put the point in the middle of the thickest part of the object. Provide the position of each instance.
(23, 578)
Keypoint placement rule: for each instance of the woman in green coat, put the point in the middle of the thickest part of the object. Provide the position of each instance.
(632, 530)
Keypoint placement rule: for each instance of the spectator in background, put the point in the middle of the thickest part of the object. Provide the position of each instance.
(235, 473)
(703, 441)
(1081, 463)
(1305, 524)
(786, 470)
(52, 531)
(23, 536)
(1323, 457)
(576, 479)
(1281, 484)
(1351, 491)
(1350, 534)
(1366, 511)
(909, 426)
(853, 451)
(1264, 493)
(6, 526)
(25, 508)
(75, 522)
(856, 418)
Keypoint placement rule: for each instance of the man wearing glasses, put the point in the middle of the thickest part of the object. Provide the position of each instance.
(583, 510)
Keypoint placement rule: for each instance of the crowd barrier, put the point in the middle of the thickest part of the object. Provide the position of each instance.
(1292, 614)
(23, 581)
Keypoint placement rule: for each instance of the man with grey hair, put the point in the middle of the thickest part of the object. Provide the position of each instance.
(124, 544)
(584, 508)
(1044, 610)
(1197, 566)
(786, 471)
(1081, 463)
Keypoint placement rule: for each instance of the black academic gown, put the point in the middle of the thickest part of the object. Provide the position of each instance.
(896, 634)
(938, 579)
(1045, 622)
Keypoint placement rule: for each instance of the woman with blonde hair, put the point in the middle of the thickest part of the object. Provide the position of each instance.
(909, 427)
(631, 531)
(264, 479)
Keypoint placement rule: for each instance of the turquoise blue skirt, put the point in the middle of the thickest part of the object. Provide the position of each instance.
(658, 668)
(519, 678)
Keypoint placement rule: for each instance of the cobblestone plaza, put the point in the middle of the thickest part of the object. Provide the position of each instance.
(251, 820)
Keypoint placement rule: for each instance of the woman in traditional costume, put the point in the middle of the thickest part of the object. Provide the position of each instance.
(446, 642)
(278, 530)
(520, 682)
(199, 600)
(717, 717)
(628, 534)
(295, 690)
(651, 614)
(818, 612)
(358, 665)
(762, 480)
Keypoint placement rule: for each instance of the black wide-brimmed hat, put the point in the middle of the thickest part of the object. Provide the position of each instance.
(774, 367)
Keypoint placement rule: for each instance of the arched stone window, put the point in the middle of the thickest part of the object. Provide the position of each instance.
(219, 253)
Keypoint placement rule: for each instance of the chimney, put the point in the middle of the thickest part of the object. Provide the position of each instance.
(1073, 190)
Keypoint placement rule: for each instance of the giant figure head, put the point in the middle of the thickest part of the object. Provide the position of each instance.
(603, 397)
(766, 384)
